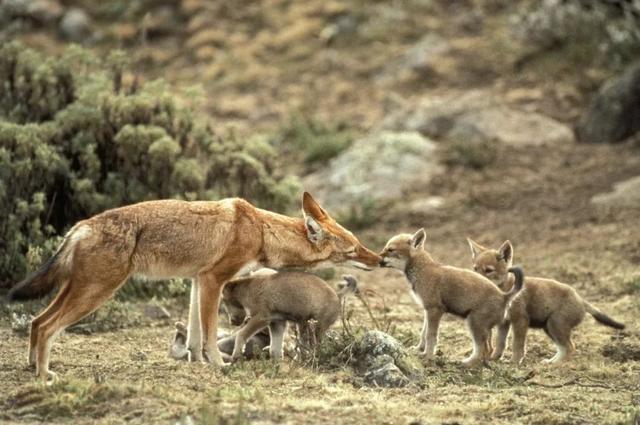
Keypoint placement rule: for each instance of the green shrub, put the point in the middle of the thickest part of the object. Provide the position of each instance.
(76, 139)
(473, 154)
(318, 142)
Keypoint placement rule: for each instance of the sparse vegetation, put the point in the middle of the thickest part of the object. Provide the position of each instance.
(476, 154)
(315, 141)
(76, 139)
(81, 131)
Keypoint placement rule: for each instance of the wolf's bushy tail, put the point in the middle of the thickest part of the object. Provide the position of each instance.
(52, 273)
(602, 318)
(519, 283)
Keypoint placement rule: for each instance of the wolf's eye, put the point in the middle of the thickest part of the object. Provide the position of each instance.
(390, 250)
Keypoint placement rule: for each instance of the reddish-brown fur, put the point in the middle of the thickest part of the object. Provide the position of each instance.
(207, 241)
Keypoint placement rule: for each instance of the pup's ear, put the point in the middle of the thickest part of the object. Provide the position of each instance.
(315, 232)
(418, 238)
(505, 252)
(311, 208)
(476, 248)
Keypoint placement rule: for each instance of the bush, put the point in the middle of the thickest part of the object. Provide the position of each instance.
(317, 141)
(475, 154)
(76, 139)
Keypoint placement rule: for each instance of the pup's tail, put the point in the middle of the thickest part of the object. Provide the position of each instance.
(602, 318)
(52, 273)
(519, 283)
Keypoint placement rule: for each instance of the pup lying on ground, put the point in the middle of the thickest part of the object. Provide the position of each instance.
(270, 300)
(444, 289)
(253, 349)
(544, 303)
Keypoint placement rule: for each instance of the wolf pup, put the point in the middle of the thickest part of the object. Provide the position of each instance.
(273, 299)
(226, 341)
(207, 241)
(444, 289)
(543, 303)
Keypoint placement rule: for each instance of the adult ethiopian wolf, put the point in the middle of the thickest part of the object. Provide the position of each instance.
(209, 242)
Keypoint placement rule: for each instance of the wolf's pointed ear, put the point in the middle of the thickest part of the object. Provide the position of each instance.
(418, 238)
(505, 252)
(476, 248)
(315, 232)
(312, 208)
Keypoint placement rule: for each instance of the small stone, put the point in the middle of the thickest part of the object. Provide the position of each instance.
(76, 25)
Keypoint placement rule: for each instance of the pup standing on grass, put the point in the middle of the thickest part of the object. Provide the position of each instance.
(445, 289)
(544, 303)
(272, 299)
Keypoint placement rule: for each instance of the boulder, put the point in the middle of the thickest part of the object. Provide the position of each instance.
(477, 116)
(377, 168)
(625, 193)
(376, 343)
(510, 127)
(380, 358)
(383, 372)
(435, 116)
(614, 113)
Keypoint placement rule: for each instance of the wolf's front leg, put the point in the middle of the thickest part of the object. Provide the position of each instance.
(194, 331)
(210, 291)
(423, 335)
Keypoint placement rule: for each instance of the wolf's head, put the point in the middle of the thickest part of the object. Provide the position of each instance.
(337, 244)
(492, 263)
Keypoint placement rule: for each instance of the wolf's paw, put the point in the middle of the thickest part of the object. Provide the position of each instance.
(471, 362)
(49, 378)
(495, 356)
(194, 356)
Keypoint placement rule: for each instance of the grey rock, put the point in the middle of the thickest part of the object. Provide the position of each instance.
(614, 113)
(377, 168)
(625, 194)
(380, 355)
(510, 127)
(76, 25)
(376, 343)
(434, 116)
(477, 115)
(384, 373)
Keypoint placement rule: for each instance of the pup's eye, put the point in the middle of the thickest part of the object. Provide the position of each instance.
(390, 250)
(489, 270)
